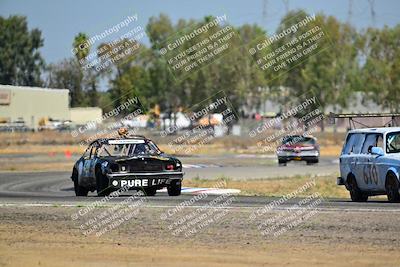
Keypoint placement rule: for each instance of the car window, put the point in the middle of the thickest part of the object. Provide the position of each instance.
(93, 151)
(379, 143)
(393, 142)
(298, 140)
(371, 140)
(349, 144)
(354, 143)
(87, 152)
(122, 150)
(145, 149)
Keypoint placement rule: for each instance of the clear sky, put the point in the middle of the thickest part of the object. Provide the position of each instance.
(61, 20)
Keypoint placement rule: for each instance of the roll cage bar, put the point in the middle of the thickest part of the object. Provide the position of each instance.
(352, 122)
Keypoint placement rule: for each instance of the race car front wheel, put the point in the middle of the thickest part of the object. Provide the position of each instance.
(392, 188)
(282, 162)
(174, 189)
(102, 187)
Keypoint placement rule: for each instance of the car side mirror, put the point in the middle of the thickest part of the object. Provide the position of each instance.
(377, 151)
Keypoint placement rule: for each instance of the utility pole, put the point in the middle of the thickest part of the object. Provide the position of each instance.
(373, 13)
(350, 12)
(265, 10)
(286, 3)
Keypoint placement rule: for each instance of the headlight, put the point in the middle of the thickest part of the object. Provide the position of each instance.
(124, 168)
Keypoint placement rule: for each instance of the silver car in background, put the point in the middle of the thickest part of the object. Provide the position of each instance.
(298, 148)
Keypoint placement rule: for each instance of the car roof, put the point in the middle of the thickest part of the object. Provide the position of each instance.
(132, 137)
(299, 135)
(381, 130)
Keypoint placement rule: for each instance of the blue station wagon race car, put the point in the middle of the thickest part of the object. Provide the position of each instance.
(370, 163)
(128, 162)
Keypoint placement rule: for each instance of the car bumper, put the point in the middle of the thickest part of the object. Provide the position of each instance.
(298, 158)
(142, 180)
(301, 155)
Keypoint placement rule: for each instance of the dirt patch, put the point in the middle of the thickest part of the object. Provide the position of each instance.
(46, 236)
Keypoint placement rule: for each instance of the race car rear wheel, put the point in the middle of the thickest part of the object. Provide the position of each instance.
(80, 191)
(151, 191)
(355, 193)
(102, 187)
(392, 188)
(175, 188)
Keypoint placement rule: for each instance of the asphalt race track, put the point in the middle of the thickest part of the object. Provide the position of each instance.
(244, 169)
(55, 188)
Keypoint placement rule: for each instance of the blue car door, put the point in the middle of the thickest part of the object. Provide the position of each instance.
(369, 167)
(358, 159)
(87, 162)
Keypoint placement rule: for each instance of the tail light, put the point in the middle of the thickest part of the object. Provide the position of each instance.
(170, 167)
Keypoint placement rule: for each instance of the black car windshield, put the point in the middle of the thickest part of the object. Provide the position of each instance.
(298, 140)
(393, 142)
(128, 149)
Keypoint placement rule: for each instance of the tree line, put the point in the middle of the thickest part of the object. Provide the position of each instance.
(365, 61)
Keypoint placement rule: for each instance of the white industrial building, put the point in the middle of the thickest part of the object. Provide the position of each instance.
(85, 114)
(33, 104)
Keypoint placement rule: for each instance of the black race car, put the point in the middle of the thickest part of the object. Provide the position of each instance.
(130, 162)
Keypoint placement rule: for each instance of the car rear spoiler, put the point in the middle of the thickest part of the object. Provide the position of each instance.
(392, 122)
